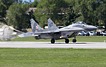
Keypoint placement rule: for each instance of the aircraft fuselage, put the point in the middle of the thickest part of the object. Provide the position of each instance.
(57, 35)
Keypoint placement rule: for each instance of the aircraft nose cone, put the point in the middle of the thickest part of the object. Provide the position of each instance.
(95, 27)
(91, 28)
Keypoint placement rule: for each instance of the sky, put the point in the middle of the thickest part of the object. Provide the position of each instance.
(29, 0)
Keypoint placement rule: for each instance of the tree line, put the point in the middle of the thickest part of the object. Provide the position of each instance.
(62, 12)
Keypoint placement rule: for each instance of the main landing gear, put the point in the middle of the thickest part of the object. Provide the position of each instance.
(74, 40)
(52, 40)
(66, 41)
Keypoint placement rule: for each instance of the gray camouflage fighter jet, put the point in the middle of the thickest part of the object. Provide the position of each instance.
(53, 32)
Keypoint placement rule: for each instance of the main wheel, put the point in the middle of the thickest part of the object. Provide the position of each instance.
(66, 40)
(52, 40)
(74, 40)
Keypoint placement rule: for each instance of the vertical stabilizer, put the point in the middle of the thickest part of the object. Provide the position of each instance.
(51, 25)
(35, 26)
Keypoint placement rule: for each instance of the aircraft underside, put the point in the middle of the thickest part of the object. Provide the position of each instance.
(57, 36)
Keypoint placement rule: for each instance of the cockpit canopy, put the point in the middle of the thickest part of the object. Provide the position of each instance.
(80, 22)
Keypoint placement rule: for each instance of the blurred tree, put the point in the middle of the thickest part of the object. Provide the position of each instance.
(55, 9)
(35, 3)
(72, 15)
(17, 16)
(101, 10)
(2, 9)
(4, 5)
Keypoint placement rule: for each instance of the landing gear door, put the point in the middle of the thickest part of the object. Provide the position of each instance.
(65, 34)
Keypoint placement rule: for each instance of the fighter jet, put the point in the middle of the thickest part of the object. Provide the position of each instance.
(54, 33)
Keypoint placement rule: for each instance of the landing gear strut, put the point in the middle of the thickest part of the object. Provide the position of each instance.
(66, 40)
(52, 40)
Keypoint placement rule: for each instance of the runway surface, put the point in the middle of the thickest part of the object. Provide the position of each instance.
(84, 45)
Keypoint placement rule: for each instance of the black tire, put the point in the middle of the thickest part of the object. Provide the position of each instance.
(74, 40)
(66, 40)
(37, 37)
(52, 41)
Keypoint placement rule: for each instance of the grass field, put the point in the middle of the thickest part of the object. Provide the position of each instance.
(79, 39)
(52, 57)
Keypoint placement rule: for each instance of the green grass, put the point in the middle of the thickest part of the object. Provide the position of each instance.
(79, 39)
(52, 57)
(91, 38)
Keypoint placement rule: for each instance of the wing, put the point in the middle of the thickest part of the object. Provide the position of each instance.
(28, 34)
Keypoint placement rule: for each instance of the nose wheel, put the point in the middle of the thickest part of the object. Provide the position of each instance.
(74, 40)
(66, 40)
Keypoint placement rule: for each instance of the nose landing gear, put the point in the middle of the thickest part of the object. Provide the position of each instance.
(74, 40)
